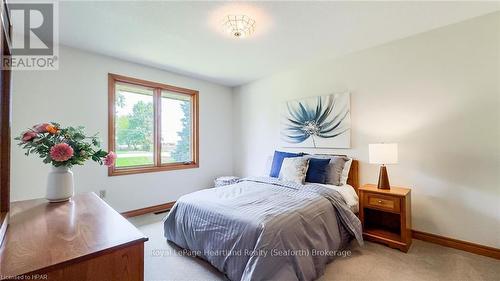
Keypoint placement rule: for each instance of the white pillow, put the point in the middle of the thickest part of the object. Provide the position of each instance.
(294, 169)
(345, 172)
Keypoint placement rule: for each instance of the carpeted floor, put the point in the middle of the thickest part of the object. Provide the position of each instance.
(424, 261)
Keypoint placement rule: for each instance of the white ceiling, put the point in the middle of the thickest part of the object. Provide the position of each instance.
(185, 37)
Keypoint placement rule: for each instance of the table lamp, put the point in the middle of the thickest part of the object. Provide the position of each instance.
(383, 153)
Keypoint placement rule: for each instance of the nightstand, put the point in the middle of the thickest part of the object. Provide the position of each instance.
(386, 215)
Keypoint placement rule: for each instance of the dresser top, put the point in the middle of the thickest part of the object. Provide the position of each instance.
(43, 234)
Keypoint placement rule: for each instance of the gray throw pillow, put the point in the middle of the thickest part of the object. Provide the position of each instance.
(294, 169)
(334, 170)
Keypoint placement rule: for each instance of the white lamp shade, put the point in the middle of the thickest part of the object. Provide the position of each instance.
(383, 153)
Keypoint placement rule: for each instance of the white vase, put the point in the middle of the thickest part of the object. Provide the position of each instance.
(60, 186)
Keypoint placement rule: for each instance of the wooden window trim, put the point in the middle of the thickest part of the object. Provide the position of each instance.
(158, 87)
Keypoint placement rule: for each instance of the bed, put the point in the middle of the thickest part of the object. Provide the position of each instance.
(266, 229)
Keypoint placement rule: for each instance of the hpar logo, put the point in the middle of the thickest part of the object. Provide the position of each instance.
(35, 36)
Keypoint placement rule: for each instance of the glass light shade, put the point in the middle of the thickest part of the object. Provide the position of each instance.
(239, 26)
(383, 153)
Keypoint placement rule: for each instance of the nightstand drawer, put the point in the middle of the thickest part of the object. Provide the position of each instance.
(388, 203)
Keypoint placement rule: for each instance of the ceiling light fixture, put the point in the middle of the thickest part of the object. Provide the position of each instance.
(239, 26)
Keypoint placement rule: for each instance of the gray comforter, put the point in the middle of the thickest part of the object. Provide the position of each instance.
(263, 228)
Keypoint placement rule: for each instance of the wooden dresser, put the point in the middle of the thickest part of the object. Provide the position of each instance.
(386, 215)
(83, 239)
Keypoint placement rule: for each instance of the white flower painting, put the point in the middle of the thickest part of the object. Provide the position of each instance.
(317, 122)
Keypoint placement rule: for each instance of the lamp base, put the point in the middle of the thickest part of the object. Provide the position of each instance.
(383, 179)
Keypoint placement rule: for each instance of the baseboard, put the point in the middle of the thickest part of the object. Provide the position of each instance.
(147, 210)
(457, 244)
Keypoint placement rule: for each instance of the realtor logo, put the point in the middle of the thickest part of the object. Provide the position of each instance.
(34, 36)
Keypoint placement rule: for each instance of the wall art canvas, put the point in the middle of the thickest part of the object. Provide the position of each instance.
(317, 122)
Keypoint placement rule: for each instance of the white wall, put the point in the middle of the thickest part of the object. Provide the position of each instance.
(436, 94)
(77, 94)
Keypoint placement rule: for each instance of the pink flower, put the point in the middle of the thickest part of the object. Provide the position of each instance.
(28, 136)
(61, 152)
(41, 128)
(110, 159)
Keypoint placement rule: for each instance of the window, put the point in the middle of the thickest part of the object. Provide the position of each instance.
(152, 126)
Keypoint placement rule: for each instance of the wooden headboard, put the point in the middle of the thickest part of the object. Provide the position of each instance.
(353, 178)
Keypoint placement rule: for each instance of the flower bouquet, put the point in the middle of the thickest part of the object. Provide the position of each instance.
(63, 148)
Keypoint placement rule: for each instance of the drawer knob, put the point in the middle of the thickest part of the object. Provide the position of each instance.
(380, 201)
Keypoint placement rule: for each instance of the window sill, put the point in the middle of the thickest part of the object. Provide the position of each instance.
(112, 171)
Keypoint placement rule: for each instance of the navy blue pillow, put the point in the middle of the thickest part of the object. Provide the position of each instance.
(317, 171)
(278, 160)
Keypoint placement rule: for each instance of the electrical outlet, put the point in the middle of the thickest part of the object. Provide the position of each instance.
(102, 193)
